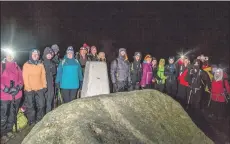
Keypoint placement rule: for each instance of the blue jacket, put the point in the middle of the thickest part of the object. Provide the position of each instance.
(69, 74)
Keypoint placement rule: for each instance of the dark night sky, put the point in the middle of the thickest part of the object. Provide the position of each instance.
(160, 28)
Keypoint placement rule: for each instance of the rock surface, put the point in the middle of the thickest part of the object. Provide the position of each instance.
(137, 117)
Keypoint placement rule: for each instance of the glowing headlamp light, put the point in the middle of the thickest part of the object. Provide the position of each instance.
(8, 51)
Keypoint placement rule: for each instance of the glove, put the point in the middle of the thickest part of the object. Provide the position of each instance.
(44, 90)
(57, 85)
(19, 87)
(13, 91)
(6, 89)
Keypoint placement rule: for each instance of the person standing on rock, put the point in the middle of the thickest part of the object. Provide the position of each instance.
(11, 89)
(171, 81)
(82, 57)
(35, 86)
(50, 68)
(69, 76)
(136, 71)
(120, 72)
(160, 77)
(147, 74)
(93, 54)
(183, 86)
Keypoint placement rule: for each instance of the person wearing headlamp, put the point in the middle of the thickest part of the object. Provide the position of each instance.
(11, 88)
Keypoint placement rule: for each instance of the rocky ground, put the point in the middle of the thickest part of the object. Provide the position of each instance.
(218, 131)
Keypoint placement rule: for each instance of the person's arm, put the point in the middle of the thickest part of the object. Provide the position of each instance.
(43, 76)
(80, 75)
(20, 79)
(59, 73)
(144, 75)
(226, 83)
(113, 70)
(206, 79)
(25, 76)
(166, 72)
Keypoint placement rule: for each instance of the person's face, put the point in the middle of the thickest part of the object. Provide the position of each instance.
(35, 56)
(123, 53)
(186, 61)
(70, 55)
(83, 52)
(137, 58)
(103, 57)
(49, 56)
(9, 58)
(148, 60)
(154, 62)
(94, 51)
(171, 61)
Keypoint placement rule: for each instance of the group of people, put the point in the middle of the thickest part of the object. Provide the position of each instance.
(195, 85)
(41, 79)
(35, 87)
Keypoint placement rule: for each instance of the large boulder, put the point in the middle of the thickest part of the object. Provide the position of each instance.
(138, 117)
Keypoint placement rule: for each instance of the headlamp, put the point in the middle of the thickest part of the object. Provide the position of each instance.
(8, 51)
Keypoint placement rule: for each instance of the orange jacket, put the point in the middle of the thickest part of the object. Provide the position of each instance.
(34, 77)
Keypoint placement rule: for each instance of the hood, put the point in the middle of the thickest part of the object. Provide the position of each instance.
(47, 51)
(70, 49)
(121, 49)
(55, 48)
(218, 75)
(162, 62)
(33, 50)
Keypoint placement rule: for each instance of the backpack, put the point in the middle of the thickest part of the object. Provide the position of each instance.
(21, 121)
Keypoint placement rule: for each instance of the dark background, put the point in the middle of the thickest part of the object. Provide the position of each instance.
(159, 28)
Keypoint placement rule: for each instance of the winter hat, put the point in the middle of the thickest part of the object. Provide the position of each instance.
(55, 48)
(85, 45)
(153, 58)
(171, 57)
(32, 51)
(137, 54)
(70, 50)
(122, 49)
(47, 51)
(83, 48)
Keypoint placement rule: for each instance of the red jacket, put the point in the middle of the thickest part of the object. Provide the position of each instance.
(11, 72)
(218, 90)
(182, 77)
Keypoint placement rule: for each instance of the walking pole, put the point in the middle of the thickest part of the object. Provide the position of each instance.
(189, 98)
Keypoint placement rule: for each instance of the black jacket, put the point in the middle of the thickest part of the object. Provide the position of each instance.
(135, 71)
(171, 72)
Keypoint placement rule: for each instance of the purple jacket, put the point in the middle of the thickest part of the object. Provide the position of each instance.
(147, 74)
(11, 72)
